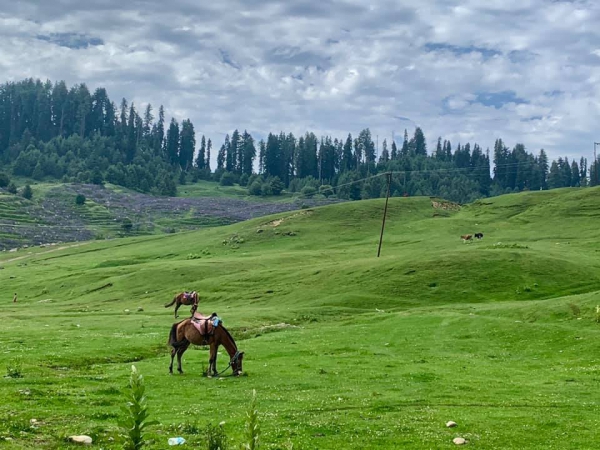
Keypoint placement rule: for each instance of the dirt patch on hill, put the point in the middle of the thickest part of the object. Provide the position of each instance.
(275, 223)
(445, 205)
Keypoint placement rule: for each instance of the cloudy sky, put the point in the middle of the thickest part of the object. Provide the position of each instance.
(474, 70)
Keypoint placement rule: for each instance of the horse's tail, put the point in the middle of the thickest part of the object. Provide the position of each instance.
(172, 303)
(173, 335)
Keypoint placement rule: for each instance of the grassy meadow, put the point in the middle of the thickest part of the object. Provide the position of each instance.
(345, 350)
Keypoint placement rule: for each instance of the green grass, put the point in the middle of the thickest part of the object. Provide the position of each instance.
(345, 350)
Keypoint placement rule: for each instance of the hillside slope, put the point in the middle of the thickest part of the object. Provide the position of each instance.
(346, 350)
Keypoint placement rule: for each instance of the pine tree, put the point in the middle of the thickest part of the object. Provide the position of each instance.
(248, 153)
(385, 156)
(439, 151)
(208, 149)
(172, 145)
(420, 144)
(575, 177)
(348, 160)
(394, 155)
(221, 156)
(404, 150)
(159, 137)
(187, 144)
(201, 158)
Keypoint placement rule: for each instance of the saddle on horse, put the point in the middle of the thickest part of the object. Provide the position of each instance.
(205, 324)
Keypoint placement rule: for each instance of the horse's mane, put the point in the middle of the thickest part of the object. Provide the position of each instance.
(230, 337)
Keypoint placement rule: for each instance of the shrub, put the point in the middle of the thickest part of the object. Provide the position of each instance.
(14, 369)
(127, 225)
(326, 190)
(27, 192)
(244, 179)
(80, 199)
(12, 188)
(4, 180)
(255, 188)
(227, 179)
(276, 185)
(266, 189)
(308, 191)
(136, 410)
(216, 439)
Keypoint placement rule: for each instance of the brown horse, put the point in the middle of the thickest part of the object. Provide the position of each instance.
(185, 298)
(185, 333)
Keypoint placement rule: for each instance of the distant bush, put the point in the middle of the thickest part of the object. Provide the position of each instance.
(27, 192)
(127, 225)
(276, 185)
(308, 191)
(326, 190)
(266, 189)
(227, 179)
(255, 188)
(80, 199)
(244, 179)
(4, 180)
(12, 188)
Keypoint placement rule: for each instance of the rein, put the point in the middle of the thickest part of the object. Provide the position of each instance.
(231, 361)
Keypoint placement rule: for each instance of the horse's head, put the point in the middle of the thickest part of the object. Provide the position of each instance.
(236, 363)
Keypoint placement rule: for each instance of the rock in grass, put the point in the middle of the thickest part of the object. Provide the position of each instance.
(85, 440)
(459, 441)
(451, 424)
(140, 309)
(126, 311)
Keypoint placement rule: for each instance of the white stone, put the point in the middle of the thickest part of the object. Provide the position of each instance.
(459, 441)
(451, 424)
(86, 440)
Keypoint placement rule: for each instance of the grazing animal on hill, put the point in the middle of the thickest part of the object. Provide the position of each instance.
(203, 330)
(479, 235)
(466, 237)
(185, 298)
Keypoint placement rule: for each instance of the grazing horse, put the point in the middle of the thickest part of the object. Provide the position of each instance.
(202, 330)
(479, 235)
(466, 237)
(185, 298)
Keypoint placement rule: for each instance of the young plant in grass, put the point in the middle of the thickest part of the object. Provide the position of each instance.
(252, 431)
(136, 410)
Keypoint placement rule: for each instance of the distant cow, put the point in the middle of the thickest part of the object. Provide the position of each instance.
(466, 237)
(479, 235)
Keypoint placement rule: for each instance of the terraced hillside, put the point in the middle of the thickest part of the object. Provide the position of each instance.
(52, 216)
(345, 350)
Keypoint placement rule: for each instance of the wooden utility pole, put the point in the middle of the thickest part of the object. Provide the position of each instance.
(389, 181)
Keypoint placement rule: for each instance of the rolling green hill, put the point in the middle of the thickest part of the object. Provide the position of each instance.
(345, 350)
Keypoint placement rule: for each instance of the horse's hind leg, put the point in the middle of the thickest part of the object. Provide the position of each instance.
(180, 351)
(173, 353)
(176, 308)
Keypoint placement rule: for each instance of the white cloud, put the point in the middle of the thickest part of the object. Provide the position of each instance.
(523, 70)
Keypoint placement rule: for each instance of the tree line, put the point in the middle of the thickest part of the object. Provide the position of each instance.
(48, 130)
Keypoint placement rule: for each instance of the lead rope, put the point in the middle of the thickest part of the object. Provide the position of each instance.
(234, 358)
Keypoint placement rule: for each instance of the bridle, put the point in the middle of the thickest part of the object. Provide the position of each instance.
(234, 359)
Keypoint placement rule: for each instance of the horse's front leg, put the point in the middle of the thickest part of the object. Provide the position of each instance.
(176, 308)
(212, 361)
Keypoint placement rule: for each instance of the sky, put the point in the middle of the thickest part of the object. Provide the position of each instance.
(526, 71)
